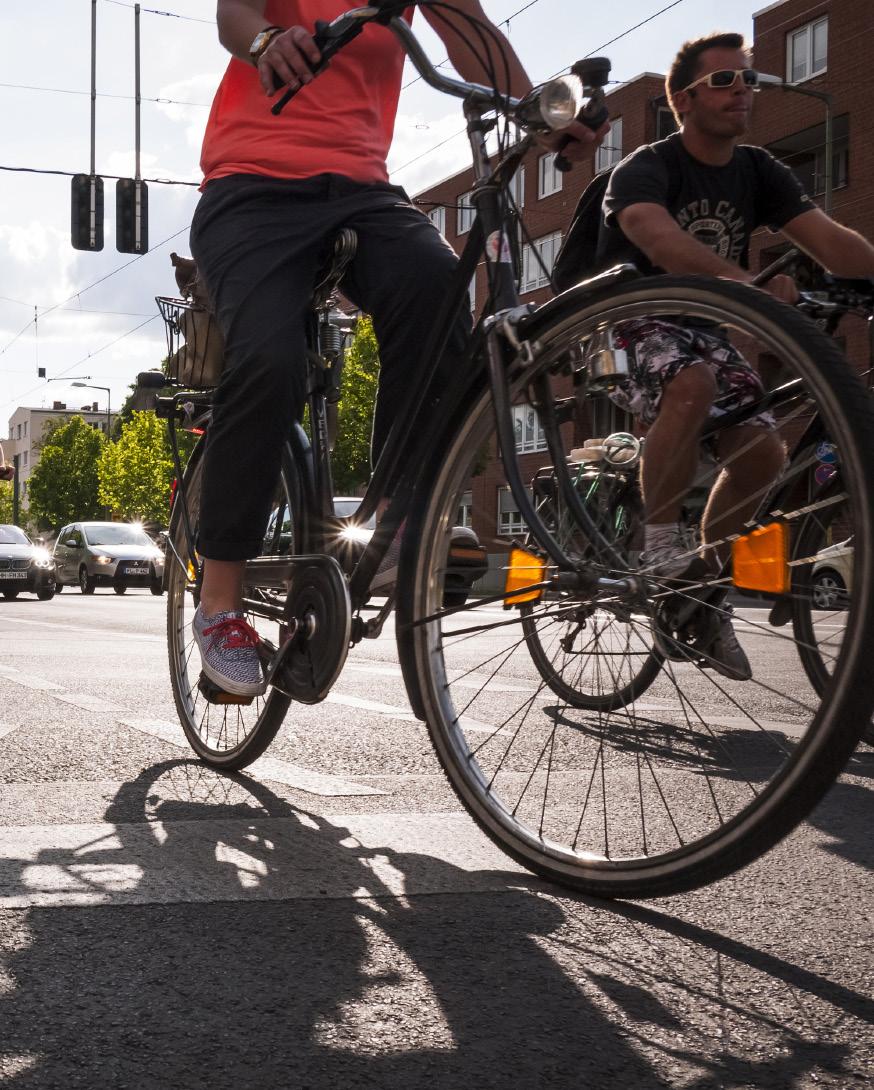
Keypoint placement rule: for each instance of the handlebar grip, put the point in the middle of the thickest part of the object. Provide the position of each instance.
(593, 115)
(321, 37)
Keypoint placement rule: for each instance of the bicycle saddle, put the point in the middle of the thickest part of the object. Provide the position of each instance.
(331, 273)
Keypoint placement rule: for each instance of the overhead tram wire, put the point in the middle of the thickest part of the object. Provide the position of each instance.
(594, 52)
(73, 174)
(93, 284)
(100, 94)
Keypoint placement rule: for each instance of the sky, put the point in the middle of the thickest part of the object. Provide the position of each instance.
(92, 316)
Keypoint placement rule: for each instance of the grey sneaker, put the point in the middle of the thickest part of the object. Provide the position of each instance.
(228, 652)
(726, 655)
(671, 561)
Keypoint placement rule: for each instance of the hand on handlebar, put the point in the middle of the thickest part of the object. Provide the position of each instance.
(288, 61)
(782, 287)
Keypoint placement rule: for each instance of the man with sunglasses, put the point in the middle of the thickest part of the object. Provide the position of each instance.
(689, 204)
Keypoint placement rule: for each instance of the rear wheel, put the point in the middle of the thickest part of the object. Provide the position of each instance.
(612, 795)
(225, 736)
(120, 588)
(10, 594)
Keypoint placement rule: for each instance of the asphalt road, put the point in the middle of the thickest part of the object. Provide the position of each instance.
(335, 920)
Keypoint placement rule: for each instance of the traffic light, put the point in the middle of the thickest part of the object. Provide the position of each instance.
(86, 208)
(131, 216)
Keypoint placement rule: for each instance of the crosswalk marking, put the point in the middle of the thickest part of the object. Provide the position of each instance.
(28, 681)
(260, 858)
(6, 728)
(267, 768)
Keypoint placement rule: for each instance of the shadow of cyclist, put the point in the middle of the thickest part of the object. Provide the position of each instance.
(242, 941)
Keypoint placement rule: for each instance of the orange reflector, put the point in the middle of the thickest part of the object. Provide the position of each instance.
(760, 559)
(523, 569)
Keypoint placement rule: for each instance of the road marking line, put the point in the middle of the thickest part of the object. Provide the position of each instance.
(111, 633)
(28, 681)
(268, 768)
(7, 728)
(89, 703)
(371, 706)
(256, 859)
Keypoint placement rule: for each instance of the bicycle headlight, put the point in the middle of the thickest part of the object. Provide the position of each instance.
(560, 101)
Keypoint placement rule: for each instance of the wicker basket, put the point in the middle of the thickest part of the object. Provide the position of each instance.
(195, 346)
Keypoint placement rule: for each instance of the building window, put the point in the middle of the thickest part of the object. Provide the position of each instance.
(807, 51)
(528, 429)
(549, 178)
(610, 152)
(438, 217)
(471, 292)
(18, 435)
(25, 457)
(516, 187)
(666, 123)
(24, 433)
(464, 515)
(466, 213)
(805, 153)
(538, 260)
(510, 522)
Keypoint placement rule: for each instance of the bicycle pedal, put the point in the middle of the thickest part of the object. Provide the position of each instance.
(215, 695)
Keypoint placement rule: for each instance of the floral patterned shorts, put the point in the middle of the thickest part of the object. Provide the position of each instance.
(658, 350)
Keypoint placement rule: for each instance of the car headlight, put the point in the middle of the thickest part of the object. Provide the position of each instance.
(103, 559)
(357, 534)
(42, 558)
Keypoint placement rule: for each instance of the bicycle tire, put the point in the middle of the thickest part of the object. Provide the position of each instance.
(576, 797)
(560, 638)
(228, 737)
(814, 624)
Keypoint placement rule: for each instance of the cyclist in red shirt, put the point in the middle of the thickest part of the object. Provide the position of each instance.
(276, 191)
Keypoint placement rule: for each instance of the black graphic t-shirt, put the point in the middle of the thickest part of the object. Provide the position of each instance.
(720, 205)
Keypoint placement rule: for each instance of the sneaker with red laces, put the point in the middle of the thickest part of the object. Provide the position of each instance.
(229, 652)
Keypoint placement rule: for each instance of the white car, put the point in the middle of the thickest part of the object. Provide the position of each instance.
(832, 575)
(116, 554)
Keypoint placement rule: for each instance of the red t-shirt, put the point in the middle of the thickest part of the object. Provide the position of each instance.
(341, 123)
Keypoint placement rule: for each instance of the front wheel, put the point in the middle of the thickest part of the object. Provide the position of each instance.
(615, 796)
(86, 582)
(120, 588)
(225, 736)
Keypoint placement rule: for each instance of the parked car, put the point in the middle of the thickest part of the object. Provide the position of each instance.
(24, 566)
(116, 554)
(832, 575)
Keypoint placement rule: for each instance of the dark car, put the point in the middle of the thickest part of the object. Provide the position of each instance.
(112, 554)
(24, 566)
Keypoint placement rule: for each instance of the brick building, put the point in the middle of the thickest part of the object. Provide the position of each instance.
(797, 41)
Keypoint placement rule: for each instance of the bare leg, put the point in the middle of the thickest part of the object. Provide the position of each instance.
(752, 458)
(671, 449)
(222, 586)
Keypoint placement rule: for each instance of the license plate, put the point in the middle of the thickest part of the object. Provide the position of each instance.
(137, 571)
(14, 575)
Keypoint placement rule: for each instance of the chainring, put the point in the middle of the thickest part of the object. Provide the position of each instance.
(318, 616)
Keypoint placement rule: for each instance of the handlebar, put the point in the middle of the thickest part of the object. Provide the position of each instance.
(330, 38)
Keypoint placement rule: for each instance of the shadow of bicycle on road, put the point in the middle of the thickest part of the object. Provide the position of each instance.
(234, 939)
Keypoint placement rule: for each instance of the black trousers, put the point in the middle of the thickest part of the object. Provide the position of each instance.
(258, 243)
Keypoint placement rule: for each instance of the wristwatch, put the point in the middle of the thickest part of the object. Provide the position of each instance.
(261, 40)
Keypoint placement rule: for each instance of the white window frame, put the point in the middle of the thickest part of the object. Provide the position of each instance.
(517, 187)
(464, 515)
(549, 180)
(610, 151)
(466, 213)
(471, 292)
(513, 524)
(533, 277)
(529, 433)
(805, 36)
(438, 217)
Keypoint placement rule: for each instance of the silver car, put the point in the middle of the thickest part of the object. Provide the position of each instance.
(116, 554)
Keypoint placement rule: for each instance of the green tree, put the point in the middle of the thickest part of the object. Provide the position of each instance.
(351, 457)
(63, 484)
(136, 471)
(5, 501)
